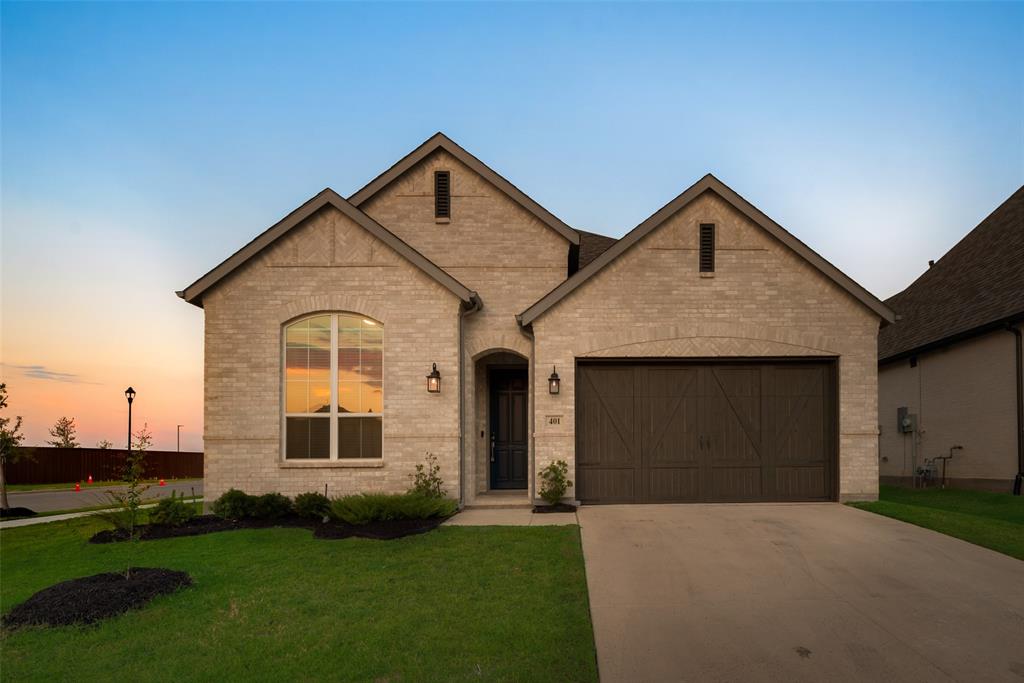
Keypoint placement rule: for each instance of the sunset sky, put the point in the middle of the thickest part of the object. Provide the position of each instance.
(144, 143)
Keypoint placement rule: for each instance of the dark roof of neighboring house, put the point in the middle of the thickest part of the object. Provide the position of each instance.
(193, 293)
(978, 285)
(592, 245)
(708, 183)
(441, 141)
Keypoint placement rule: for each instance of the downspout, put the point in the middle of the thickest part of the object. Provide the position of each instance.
(475, 305)
(527, 331)
(1019, 349)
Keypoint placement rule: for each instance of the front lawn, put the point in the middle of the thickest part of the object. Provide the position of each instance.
(458, 603)
(992, 520)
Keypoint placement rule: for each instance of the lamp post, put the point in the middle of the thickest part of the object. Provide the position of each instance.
(179, 437)
(129, 393)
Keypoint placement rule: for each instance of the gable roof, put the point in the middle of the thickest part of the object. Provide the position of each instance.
(713, 184)
(193, 293)
(441, 141)
(977, 285)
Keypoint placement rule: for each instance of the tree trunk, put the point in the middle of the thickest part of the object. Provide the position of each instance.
(3, 487)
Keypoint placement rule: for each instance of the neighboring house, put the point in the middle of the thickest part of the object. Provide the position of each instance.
(708, 355)
(953, 361)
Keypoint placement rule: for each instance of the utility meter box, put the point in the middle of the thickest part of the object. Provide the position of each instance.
(905, 421)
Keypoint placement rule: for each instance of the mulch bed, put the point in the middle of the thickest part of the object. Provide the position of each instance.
(92, 598)
(8, 513)
(559, 507)
(208, 524)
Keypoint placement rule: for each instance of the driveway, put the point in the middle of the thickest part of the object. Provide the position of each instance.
(805, 592)
(91, 495)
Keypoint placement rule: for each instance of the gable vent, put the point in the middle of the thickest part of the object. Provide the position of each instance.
(442, 194)
(707, 247)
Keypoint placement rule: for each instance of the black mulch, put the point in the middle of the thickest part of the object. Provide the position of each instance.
(7, 513)
(207, 524)
(92, 598)
(558, 507)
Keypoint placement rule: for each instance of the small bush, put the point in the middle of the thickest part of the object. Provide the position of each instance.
(378, 507)
(234, 504)
(313, 505)
(556, 481)
(271, 506)
(427, 480)
(173, 511)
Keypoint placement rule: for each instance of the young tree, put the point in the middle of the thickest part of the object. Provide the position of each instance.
(104, 444)
(10, 439)
(64, 433)
(124, 514)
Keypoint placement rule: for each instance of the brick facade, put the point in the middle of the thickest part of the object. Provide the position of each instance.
(763, 300)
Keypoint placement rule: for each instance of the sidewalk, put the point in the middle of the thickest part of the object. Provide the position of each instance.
(29, 521)
(510, 517)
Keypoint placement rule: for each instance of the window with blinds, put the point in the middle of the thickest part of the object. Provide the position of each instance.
(442, 194)
(707, 247)
(333, 387)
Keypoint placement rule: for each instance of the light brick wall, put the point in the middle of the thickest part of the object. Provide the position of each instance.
(327, 264)
(763, 300)
(963, 395)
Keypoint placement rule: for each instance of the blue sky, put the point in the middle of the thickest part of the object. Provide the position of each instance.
(143, 143)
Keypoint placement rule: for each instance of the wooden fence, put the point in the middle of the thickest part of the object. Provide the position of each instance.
(67, 465)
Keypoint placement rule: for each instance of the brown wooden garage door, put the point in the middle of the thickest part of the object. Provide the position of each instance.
(655, 432)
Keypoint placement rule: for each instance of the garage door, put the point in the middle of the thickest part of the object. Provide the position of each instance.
(654, 432)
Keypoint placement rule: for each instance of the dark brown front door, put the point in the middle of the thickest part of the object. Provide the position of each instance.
(661, 432)
(508, 429)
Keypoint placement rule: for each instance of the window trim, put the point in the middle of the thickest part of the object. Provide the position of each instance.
(334, 414)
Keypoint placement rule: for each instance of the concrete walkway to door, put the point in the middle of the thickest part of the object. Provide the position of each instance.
(795, 592)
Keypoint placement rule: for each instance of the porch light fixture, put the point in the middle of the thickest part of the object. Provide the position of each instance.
(554, 382)
(434, 381)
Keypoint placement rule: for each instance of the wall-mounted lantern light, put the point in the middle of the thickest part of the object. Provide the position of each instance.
(554, 383)
(434, 381)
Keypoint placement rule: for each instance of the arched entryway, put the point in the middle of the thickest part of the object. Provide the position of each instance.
(502, 422)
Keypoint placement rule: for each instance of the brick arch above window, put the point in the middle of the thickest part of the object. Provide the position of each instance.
(309, 305)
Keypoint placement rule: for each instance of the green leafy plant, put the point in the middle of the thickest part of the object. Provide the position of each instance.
(271, 506)
(364, 508)
(427, 480)
(233, 504)
(555, 478)
(64, 433)
(173, 511)
(124, 512)
(312, 505)
(10, 440)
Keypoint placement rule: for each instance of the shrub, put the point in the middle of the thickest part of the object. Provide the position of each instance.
(556, 482)
(234, 504)
(173, 511)
(271, 506)
(314, 505)
(427, 480)
(378, 507)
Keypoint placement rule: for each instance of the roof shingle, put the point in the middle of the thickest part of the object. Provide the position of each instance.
(978, 283)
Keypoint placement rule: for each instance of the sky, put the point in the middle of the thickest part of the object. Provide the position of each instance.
(143, 143)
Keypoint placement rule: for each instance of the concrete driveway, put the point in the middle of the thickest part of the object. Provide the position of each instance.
(808, 592)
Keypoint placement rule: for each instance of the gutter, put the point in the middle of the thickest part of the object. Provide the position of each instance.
(475, 305)
(1019, 350)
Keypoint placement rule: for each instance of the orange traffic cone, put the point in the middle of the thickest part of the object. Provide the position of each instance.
(163, 483)
(90, 478)
(78, 487)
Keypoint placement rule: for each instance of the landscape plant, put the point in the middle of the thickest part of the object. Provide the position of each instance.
(126, 504)
(364, 508)
(271, 506)
(427, 481)
(64, 433)
(172, 511)
(312, 505)
(234, 504)
(555, 478)
(10, 440)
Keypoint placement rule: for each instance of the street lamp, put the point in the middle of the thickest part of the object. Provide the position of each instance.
(129, 394)
(179, 437)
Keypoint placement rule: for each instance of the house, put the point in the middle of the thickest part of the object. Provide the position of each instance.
(949, 371)
(708, 355)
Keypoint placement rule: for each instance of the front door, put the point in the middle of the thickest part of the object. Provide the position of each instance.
(508, 428)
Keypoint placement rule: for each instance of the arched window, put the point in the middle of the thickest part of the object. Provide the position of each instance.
(333, 390)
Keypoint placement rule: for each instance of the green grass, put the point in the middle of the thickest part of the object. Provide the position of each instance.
(459, 603)
(992, 520)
